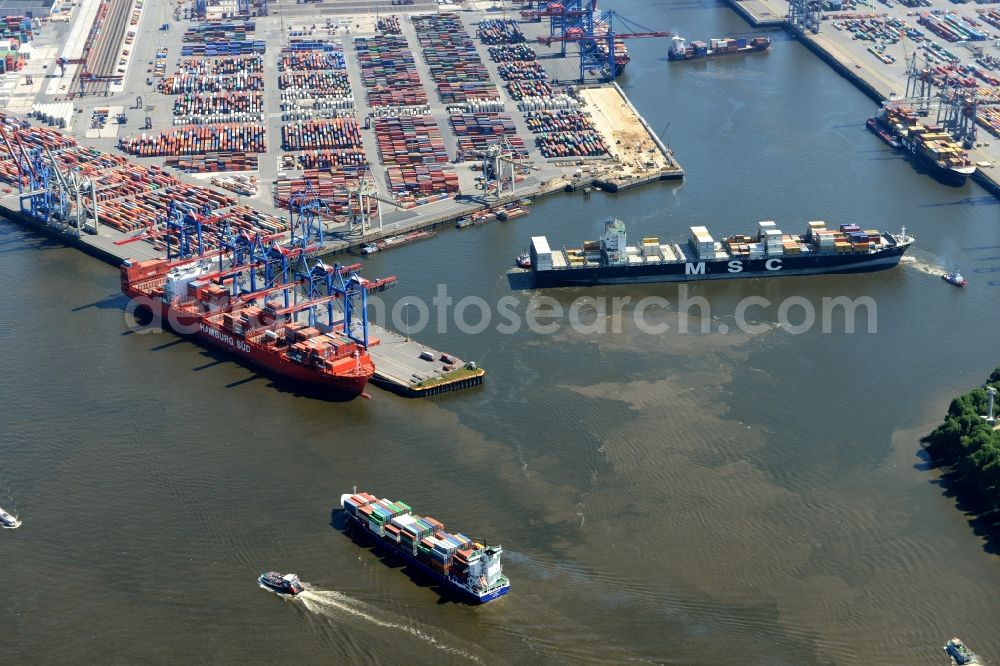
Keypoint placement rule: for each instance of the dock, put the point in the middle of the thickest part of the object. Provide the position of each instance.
(838, 45)
(149, 110)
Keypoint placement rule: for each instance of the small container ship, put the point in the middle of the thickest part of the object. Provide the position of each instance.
(767, 253)
(945, 159)
(188, 297)
(681, 50)
(469, 569)
(959, 653)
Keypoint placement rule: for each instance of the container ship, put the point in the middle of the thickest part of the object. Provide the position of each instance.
(469, 569)
(934, 148)
(185, 298)
(681, 50)
(768, 253)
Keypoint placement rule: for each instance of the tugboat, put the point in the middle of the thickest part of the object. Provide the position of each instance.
(8, 521)
(875, 125)
(959, 653)
(955, 279)
(523, 260)
(288, 584)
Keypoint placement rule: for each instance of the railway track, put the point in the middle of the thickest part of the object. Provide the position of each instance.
(102, 58)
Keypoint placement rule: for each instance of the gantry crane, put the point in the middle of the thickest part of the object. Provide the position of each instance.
(578, 21)
(364, 192)
(499, 160)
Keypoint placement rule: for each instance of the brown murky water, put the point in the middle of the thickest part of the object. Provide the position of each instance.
(720, 498)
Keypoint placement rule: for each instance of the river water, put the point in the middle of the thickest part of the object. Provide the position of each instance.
(701, 498)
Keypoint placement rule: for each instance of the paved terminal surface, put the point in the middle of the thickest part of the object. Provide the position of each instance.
(888, 80)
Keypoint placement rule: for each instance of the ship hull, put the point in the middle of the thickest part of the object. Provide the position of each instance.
(361, 531)
(944, 175)
(193, 327)
(720, 269)
(680, 57)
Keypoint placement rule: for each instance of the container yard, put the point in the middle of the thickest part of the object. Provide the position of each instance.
(403, 96)
(956, 47)
(363, 118)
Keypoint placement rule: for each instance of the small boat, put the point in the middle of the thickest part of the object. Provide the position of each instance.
(282, 584)
(463, 223)
(523, 260)
(8, 521)
(959, 653)
(955, 279)
(369, 248)
(525, 202)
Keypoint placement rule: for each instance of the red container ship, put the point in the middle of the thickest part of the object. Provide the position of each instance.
(185, 299)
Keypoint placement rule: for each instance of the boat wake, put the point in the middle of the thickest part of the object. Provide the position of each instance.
(923, 266)
(335, 606)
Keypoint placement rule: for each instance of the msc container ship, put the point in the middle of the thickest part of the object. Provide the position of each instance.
(944, 158)
(318, 358)
(469, 569)
(680, 50)
(768, 253)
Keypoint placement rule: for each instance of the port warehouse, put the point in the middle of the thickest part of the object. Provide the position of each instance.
(338, 113)
(957, 51)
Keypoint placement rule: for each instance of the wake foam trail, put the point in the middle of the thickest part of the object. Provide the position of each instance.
(923, 266)
(333, 605)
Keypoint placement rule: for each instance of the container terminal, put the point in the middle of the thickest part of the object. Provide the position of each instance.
(937, 58)
(324, 126)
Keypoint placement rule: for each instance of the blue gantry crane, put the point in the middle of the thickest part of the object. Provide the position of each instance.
(306, 211)
(579, 21)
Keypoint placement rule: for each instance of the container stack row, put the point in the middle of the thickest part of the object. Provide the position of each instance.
(131, 197)
(476, 131)
(560, 129)
(388, 25)
(325, 159)
(179, 84)
(567, 133)
(209, 108)
(389, 72)
(455, 65)
(496, 31)
(160, 63)
(223, 48)
(197, 140)
(314, 81)
(15, 33)
(409, 140)
(417, 183)
(148, 209)
(200, 33)
(333, 188)
(214, 163)
(334, 133)
(244, 65)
